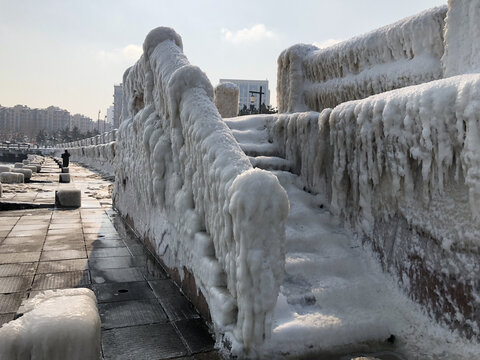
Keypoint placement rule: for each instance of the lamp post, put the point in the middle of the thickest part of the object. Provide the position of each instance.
(252, 98)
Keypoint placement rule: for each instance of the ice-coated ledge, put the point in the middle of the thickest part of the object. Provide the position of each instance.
(187, 186)
(405, 53)
(55, 325)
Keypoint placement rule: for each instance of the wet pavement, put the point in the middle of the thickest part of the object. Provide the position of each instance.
(144, 315)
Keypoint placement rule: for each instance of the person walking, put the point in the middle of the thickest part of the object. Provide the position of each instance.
(65, 158)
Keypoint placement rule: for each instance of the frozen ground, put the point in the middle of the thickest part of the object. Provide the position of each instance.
(334, 297)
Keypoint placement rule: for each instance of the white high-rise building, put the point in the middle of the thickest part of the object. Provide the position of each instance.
(250, 85)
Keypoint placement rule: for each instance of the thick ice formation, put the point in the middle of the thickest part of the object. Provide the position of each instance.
(55, 325)
(226, 99)
(190, 189)
(462, 35)
(405, 53)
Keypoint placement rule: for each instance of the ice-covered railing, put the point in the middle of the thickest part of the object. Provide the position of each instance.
(185, 184)
(97, 152)
(405, 53)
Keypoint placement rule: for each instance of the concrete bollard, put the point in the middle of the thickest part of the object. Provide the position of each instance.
(27, 173)
(64, 178)
(65, 170)
(30, 167)
(226, 99)
(39, 167)
(4, 168)
(26, 162)
(68, 198)
(11, 178)
(18, 165)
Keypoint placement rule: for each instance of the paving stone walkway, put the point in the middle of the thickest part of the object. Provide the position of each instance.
(143, 313)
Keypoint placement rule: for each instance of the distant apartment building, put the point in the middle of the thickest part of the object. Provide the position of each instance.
(117, 105)
(23, 123)
(246, 86)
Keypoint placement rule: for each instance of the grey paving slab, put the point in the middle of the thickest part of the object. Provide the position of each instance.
(11, 258)
(62, 246)
(9, 303)
(196, 335)
(103, 243)
(20, 248)
(24, 227)
(61, 280)
(63, 232)
(62, 266)
(62, 221)
(110, 292)
(108, 252)
(4, 318)
(18, 269)
(67, 226)
(65, 237)
(14, 284)
(21, 232)
(8, 220)
(92, 237)
(4, 233)
(23, 240)
(130, 313)
(63, 255)
(6, 227)
(158, 341)
(178, 308)
(164, 289)
(116, 275)
(118, 262)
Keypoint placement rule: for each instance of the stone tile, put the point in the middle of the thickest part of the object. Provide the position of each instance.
(62, 232)
(108, 252)
(23, 240)
(92, 237)
(116, 275)
(196, 335)
(9, 303)
(18, 269)
(4, 233)
(21, 232)
(66, 226)
(14, 284)
(8, 220)
(111, 292)
(11, 258)
(62, 266)
(61, 280)
(178, 308)
(6, 227)
(20, 248)
(164, 289)
(62, 246)
(62, 221)
(24, 227)
(103, 243)
(4, 318)
(131, 313)
(63, 255)
(118, 262)
(66, 237)
(158, 341)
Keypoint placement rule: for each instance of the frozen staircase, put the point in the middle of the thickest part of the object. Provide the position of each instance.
(334, 297)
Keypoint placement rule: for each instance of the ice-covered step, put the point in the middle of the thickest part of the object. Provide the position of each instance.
(251, 136)
(259, 149)
(249, 122)
(334, 294)
(271, 163)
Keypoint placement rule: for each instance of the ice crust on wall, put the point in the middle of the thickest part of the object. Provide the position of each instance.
(226, 99)
(462, 38)
(188, 187)
(55, 325)
(403, 169)
(405, 53)
(97, 152)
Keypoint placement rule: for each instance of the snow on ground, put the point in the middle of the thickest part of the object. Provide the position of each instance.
(334, 298)
(55, 325)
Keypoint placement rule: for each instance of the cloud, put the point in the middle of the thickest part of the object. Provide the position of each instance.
(255, 33)
(127, 54)
(327, 43)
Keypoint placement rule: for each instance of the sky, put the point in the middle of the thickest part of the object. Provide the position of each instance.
(70, 53)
